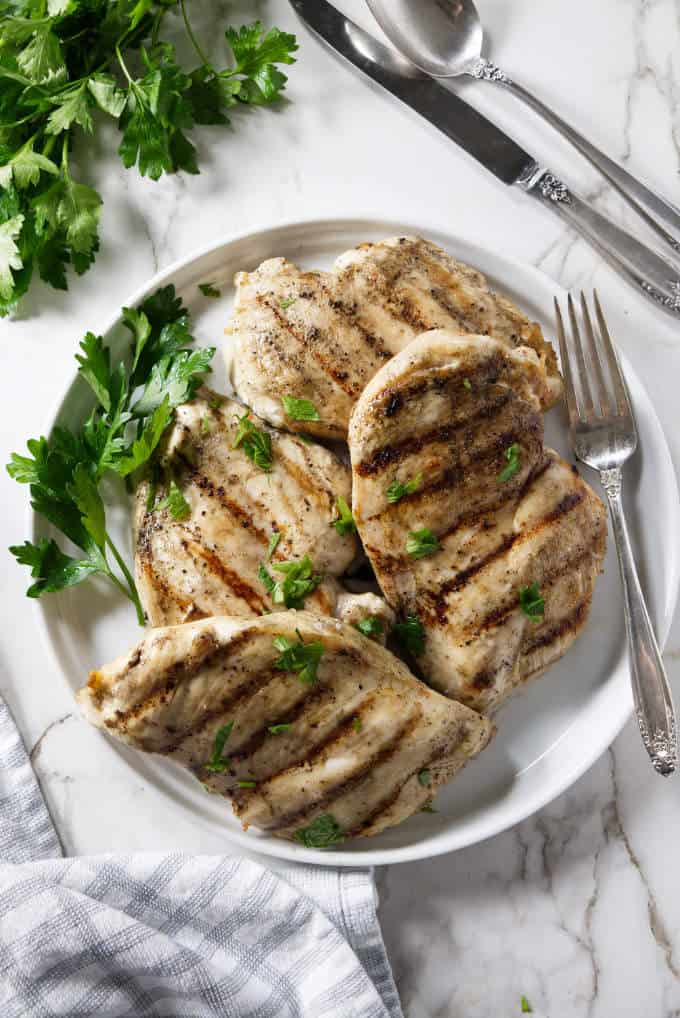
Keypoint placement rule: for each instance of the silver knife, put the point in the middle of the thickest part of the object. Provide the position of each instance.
(492, 148)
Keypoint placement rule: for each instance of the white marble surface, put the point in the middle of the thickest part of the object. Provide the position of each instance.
(579, 906)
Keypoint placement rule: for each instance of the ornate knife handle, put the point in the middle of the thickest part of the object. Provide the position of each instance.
(658, 213)
(653, 701)
(638, 263)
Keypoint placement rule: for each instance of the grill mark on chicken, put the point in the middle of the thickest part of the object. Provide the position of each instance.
(461, 579)
(235, 509)
(389, 455)
(569, 623)
(235, 583)
(349, 315)
(389, 800)
(384, 753)
(340, 378)
(503, 611)
(203, 654)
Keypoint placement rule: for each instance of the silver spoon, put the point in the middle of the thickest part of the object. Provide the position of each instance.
(444, 39)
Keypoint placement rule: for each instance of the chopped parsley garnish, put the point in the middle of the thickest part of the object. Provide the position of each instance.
(298, 582)
(323, 832)
(411, 635)
(256, 444)
(175, 503)
(215, 403)
(512, 465)
(278, 729)
(420, 543)
(300, 409)
(425, 778)
(357, 725)
(345, 522)
(397, 490)
(209, 290)
(217, 762)
(301, 658)
(205, 425)
(526, 1006)
(468, 384)
(531, 602)
(370, 626)
(273, 544)
(247, 784)
(287, 302)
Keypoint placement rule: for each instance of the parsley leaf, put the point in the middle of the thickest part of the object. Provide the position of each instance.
(301, 658)
(396, 491)
(467, 384)
(278, 729)
(209, 290)
(531, 602)
(420, 543)
(525, 1005)
(273, 544)
(345, 523)
(323, 832)
(370, 626)
(357, 724)
(300, 409)
(411, 635)
(257, 444)
(512, 465)
(50, 568)
(175, 503)
(246, 783)
(424, 778)
(287, 302)
(218, 763)
(299, 581)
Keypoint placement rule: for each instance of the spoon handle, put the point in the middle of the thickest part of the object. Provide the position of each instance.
(658, 213)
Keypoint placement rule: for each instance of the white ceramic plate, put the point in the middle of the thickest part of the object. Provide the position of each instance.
(550, 733)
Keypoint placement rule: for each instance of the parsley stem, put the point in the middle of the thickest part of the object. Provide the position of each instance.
(132, 588)
(122, 63)
(194, 40)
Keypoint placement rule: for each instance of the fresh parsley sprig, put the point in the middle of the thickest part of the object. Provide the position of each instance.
(66, 66)
(323, 832)
(135, 401)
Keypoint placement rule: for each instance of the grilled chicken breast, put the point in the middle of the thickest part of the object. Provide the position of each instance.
(322, 336)
(362, 744)
(456, 422)
(208, 562)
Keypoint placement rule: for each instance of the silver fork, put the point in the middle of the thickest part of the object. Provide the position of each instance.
(604, 436)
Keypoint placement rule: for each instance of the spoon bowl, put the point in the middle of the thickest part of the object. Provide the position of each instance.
(441, 37)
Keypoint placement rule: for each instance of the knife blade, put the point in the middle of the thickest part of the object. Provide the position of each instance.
(491, 147)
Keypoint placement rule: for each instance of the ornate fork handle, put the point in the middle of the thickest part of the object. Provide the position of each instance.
(653, 703)
(658, 213)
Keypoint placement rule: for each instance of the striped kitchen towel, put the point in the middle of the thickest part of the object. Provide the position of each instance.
(171, 935)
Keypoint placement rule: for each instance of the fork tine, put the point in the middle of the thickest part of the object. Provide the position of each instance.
(572, 405)
(582, 388)
(600, 385)
(620, 390)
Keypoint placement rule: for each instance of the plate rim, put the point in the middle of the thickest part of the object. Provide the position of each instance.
(445, 841)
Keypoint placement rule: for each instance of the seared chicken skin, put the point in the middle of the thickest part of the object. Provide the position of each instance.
(360, 742)
(208, 561)
(452, 430)
(322, 336)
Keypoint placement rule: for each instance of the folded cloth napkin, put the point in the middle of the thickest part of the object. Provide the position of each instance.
(171, 935)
